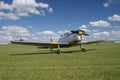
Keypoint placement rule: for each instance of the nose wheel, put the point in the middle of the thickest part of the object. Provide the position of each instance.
(83, 50)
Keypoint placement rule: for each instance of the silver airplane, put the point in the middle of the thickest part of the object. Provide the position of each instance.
(73, 38)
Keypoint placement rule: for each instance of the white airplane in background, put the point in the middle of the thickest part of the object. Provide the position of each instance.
(73, 38)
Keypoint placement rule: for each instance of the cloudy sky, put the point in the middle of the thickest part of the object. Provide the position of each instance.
(37, 20)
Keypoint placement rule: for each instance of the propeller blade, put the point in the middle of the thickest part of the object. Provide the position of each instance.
(80, 32)
(77, 31)
(86, 34)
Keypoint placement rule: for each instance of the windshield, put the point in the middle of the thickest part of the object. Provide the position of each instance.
(65, 35)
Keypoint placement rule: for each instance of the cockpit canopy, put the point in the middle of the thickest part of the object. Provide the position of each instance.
(65, 34)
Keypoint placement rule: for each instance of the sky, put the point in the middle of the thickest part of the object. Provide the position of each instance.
(38, 20)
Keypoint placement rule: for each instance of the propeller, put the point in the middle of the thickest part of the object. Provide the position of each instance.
(80, 32)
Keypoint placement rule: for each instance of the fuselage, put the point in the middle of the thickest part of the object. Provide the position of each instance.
(69, 38)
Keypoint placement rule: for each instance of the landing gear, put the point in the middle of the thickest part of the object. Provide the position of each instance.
(58, 51)
(51, 50)
(83, 50)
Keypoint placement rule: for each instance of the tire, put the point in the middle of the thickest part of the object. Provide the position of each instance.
(83, 50)
(58, 51)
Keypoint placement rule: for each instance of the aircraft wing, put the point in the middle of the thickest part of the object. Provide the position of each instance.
(92, 42)
(53, 44)
(41, 44)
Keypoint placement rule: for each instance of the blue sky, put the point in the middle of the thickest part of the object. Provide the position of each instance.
(37, 20)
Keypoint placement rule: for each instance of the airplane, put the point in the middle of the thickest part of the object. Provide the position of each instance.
(19, 39)
(73, 38)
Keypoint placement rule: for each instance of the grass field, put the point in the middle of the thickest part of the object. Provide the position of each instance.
(100, 62)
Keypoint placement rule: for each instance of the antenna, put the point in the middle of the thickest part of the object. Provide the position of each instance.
(21, 39)
(51, 40)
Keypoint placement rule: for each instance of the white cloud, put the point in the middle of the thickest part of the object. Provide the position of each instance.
(4, 6)
(84, 28)
(6, 38)
(100, 23)
(30, 26)
(48, 33)
(25, 6)
(95, 30)
(10, 16)
(50, 9)
(16, 30)
(62, 32)
(43, 5)
(20, 8)
(12, 32)
(107, 3)
(8, 33)
(115, 17)
(115, 34)
(101, 35)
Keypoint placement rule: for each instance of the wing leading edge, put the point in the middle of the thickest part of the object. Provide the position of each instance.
(92, 42)
(41, 44)
(53, 44)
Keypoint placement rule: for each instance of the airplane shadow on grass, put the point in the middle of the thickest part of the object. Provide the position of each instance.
(49, 52)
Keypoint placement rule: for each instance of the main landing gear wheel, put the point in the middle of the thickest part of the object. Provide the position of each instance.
(58, 51)
(83, 50)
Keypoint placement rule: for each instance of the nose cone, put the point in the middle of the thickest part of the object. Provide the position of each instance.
(78, 38)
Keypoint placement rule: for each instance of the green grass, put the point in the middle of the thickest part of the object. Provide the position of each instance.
(100, 62)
